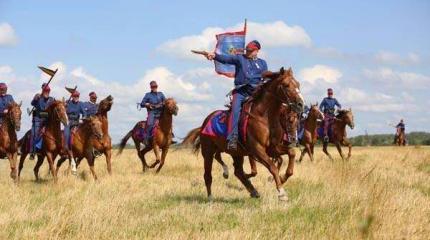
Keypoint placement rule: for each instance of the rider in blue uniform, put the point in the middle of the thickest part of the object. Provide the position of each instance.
(153, 101)
(328, 107)
(248, 74)
(5, 100)
(91, 107)
(40, 103)
(74, 110)
(400, 128)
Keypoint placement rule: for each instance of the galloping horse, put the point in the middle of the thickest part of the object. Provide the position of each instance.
(82, 142)
(343, 118)
(162, 138)
(310, 135)
(264, 130)
(8, 140)
(289, 121)
(53, 142)
(401, 138)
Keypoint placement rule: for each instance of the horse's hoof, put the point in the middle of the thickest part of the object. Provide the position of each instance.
(282, 195)
(210, 198)
(225, 175)
(255, 194)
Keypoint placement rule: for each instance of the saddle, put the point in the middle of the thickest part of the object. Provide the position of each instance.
(140, 131)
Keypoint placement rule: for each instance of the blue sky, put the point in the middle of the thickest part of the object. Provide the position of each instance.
(376, 54)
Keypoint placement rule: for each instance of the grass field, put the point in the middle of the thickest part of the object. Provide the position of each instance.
(381, 193)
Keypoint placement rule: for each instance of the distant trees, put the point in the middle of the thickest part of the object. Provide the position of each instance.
(413, 138)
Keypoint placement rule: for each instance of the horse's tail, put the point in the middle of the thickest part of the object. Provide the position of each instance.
(124, 141)
(193, 138)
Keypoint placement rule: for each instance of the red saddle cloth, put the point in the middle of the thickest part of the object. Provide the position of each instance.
(140, 132)
(218, 124)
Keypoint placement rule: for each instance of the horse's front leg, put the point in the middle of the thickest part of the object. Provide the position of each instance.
(346, 143)
(13, 168)
(163, 158)
(157, 155)
(339, 149)
(253, 165)
(51, 157)
(108, 155)
(289, 172)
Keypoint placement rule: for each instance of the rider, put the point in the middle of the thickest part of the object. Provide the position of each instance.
(153, 101)
(248, 74)
(40, 103)
(327, 106)
(91, 107)
(74, 109)
(5, 100)
(400, 127)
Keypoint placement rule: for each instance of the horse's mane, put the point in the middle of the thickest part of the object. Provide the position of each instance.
(341, 113)
(271, 77)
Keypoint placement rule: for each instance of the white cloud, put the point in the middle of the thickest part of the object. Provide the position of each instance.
(7, 35)
(398, 79)
(272, 34)
(316, 74)
(386, 57)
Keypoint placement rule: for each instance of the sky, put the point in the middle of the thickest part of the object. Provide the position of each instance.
(374, 54)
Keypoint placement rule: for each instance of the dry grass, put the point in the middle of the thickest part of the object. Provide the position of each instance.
(382, 193)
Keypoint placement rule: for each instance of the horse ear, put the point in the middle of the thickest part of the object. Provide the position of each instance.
(316, 103)
(63, 100)
(290, 71)
(282, 71)
(350, 109)
(20, 104)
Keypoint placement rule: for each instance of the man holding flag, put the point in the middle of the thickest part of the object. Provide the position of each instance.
(248, 69)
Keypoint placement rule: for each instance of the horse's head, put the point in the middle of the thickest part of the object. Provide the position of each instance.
(57, 109)
(346, 117)
(14, 115)
(171, 106)
(315, 113)
(286, 89)
(105, 105)
(95, 126)
(289, 120)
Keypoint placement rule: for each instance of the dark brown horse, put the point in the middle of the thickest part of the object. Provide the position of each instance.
(309, 138)
(342, 119)
(8, 140)
(53, 142)
(264, 131)
(82, 142)
(161, 140)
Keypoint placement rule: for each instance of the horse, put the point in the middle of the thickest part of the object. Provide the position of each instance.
(53, 142)
(262, 131)
(8, 140)
(401, 138)
(82, 142)
(338, 127)
(162, 137)
(310, 135)
(289, 123)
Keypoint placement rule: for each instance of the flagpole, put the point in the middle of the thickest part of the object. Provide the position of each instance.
(50, 79)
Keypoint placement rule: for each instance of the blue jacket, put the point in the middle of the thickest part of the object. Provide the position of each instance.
(74, 111)
(90, 109)
(328, 105)
(40, 106)
(154, 98)
(401, 126)
(4, 102)
(248, 71)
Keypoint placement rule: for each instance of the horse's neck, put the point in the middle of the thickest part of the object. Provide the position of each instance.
(311, 123)
(53, 125)
(339, 125)
(165, 122)
(267, 106)
(105, 123)
(6, 127)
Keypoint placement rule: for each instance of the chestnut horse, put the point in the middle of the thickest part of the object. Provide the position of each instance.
(53, 142)
(289, 123)
(8, 140)
(343, 118)
(264, 130)
(309, 138)
(401, 138)
(161, 140)
(82, 142)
